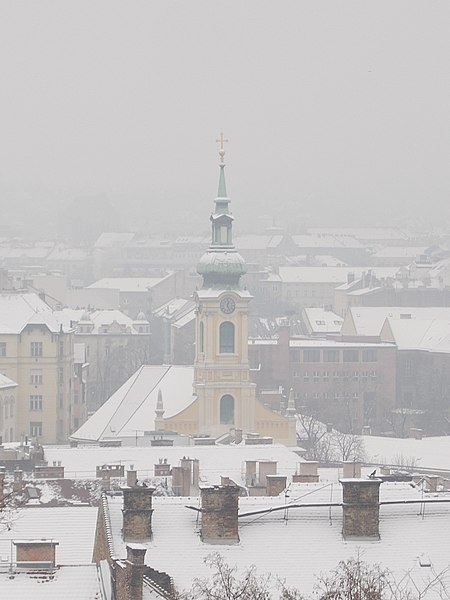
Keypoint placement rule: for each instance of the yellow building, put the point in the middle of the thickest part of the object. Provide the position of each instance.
(37, 353)
(225, 398)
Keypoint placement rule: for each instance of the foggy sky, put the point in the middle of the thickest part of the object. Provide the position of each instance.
(332, 107)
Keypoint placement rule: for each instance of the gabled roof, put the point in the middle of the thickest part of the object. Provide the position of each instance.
(128, 284)
(132, 407)
(19, 310)
(369, 320)
(6, 382)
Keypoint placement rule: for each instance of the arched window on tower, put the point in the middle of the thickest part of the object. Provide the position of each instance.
(202, 338)
(227, 410)
(226, 336)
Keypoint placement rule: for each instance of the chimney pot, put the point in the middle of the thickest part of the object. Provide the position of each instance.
(137, 513)
(361, 509)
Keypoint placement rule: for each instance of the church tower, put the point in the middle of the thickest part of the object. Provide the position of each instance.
(226, 396)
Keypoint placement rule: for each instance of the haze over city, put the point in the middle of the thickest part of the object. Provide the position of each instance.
(336, 112)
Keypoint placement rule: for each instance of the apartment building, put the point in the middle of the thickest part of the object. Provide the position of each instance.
(36, 352)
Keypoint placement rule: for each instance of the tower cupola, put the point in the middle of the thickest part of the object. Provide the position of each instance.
(221, 265)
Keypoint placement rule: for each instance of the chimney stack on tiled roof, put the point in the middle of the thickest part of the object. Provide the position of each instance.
(38, 554)
(185, 477)
(129, 580)
(351, 469)
(137, 513)
(131, 477)
(275, 484)
(18, 481)
(361, 516)
(220, 514)
(307, 472)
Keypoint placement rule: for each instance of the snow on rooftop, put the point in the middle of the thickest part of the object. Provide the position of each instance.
(306, 541)
(132, 407)
(128, 284)
(69, 582)
(214, 461)
(6, 382)
(332, 275)
(369, 320)
(19, 310)
(427, 453)
(73, 528)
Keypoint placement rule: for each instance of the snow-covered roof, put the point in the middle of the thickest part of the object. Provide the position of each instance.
(68, 582)
(325, 241)
(72, 527)
(304, 542)
(300, 343)
(113, 240)
(99, 318)
(214, 461)
(19, 310)
(333, 275)
(420, 334)
(364, 233)
(319, 320)
(400, 252)
(428, 453)
(369, 320)
(132, 407)
(6, 382)
(128, 284)
(257, 242)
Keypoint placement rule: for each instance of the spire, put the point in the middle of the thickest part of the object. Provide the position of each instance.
(221, 266)
(159, 405)
(291, 404)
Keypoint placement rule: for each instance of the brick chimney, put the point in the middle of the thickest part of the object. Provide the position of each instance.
(351, 469)
(275, 484)
(361, 510)
(38, 554)
(307, 472)
(18, 481)
(137, 513)
(220, 514)
(129, 582)
(131, 478)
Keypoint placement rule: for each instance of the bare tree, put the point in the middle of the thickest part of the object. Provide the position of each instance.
(347, 446)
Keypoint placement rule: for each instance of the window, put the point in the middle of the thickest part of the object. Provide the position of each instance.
(369, 355)
(295, 373)
(326, 375)
(294, 355)
(226, 336)
(35, 402)
(36, 348)
(61, 349)
(355, 375)
(346, 375)
(408, 365)
(311, 355)
(227, 410)
(336, 374)
(36, 376)
(2, 349)
(326, 395)
(76, 397)
(331, 355)
(60, 374)
(201, 335)
(373, 374)
(61, 400)
(36, 428)
(316, 376)
(351, 355)
(306, 376)
(315, 395)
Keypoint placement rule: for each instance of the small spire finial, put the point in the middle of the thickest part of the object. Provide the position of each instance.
(221, 141)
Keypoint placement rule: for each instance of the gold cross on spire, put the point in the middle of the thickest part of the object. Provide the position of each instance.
(221, 141)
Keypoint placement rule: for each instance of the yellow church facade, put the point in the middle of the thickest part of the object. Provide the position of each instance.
(224, 395)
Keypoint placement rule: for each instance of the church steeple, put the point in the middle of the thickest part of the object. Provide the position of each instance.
(221, 265)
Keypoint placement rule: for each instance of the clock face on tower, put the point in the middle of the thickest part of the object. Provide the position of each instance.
(227, 305)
